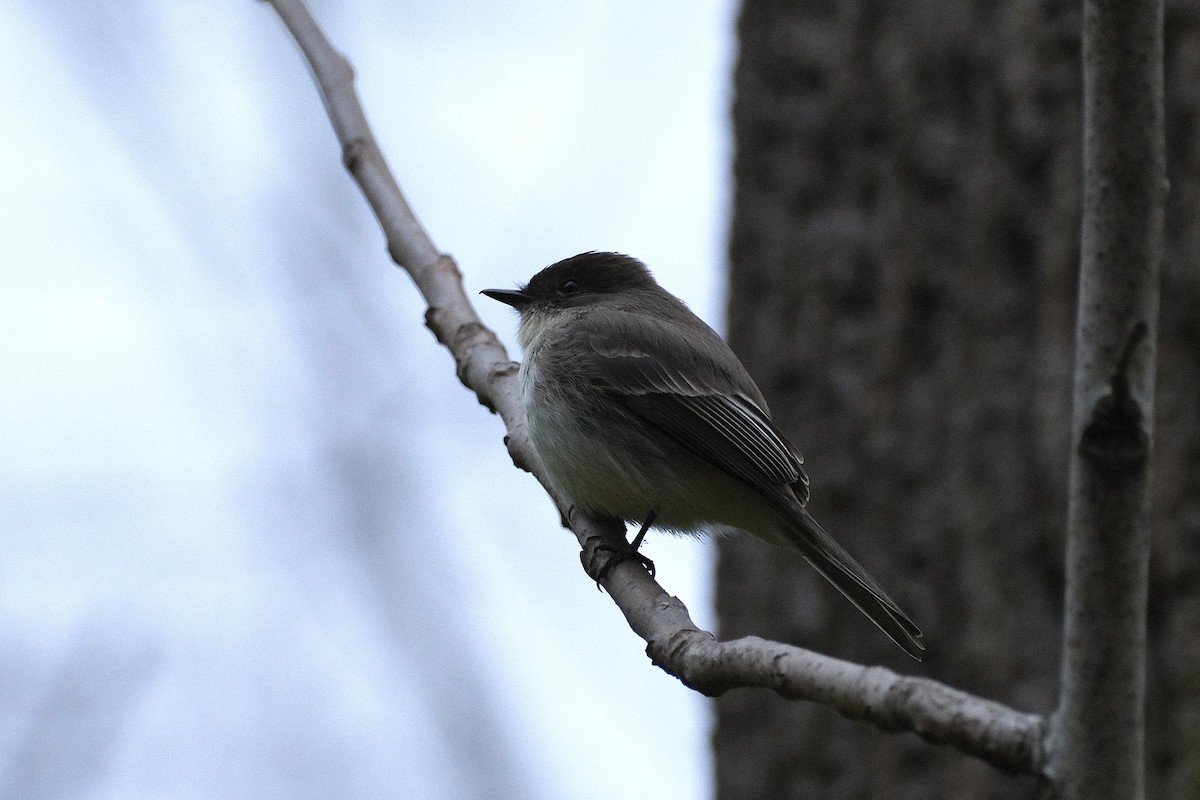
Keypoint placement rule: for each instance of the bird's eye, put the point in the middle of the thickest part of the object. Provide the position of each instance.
(569, 286)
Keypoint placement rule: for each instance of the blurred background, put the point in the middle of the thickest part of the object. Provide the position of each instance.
(255, 539)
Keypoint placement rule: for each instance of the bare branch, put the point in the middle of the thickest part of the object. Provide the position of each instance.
(1006, 738)
(938, 713)
(1098, 733)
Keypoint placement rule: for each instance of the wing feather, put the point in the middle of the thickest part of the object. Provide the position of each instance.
(709, 411)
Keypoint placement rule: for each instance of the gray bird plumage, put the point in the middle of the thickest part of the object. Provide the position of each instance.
(639, 409)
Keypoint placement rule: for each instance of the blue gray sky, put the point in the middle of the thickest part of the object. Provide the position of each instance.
(255, 539)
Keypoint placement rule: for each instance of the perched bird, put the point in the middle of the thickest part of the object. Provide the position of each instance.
(642, 413)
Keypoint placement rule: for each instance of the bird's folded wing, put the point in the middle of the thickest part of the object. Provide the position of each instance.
(707, 415)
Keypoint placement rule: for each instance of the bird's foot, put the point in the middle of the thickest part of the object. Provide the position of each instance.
(600, 555)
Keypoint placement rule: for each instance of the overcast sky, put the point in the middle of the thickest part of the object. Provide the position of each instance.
(256, 539)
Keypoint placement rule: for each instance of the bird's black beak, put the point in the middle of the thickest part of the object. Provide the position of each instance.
(513, 297)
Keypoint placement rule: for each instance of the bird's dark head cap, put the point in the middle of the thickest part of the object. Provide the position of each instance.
(578, 280)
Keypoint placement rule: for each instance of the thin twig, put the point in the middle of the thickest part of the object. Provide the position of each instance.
(990, 731)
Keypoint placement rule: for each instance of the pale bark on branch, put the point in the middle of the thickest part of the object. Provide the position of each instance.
(993, 732)
(1098, 732)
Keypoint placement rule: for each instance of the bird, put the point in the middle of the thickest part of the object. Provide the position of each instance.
(640, 412)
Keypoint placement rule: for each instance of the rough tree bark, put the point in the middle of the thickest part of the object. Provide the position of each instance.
(903, 264)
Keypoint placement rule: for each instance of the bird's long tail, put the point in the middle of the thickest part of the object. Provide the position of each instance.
(839, 568)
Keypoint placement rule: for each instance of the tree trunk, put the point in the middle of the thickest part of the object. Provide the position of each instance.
(903, 265)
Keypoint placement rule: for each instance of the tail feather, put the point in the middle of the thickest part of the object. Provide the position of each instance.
(839, 568)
